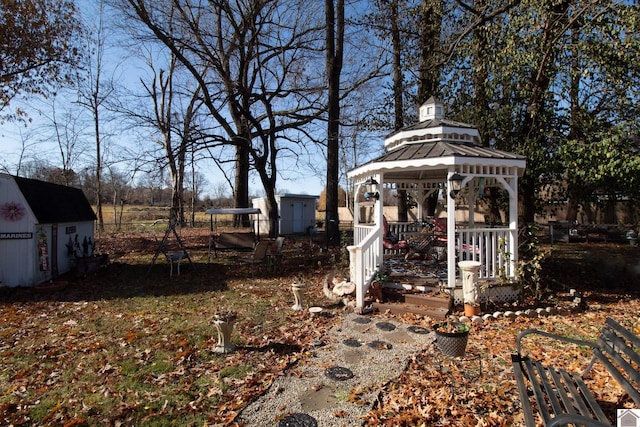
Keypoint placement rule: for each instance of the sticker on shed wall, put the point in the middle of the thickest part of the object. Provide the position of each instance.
(43, 251)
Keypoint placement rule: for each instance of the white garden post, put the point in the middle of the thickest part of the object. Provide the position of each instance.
(469, 273)
(297, 289)
(224, 325)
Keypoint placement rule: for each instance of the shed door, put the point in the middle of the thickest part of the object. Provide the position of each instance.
(297, 213)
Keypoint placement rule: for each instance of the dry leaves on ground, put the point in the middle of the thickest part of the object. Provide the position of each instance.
(131, 346)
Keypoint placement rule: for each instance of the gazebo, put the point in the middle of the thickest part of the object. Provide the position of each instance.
(438, 155)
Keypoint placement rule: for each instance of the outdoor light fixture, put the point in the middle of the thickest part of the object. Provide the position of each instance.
(371, 187)
(456, 183)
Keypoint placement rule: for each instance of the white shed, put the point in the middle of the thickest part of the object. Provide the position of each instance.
(297, 213)
(43, 227)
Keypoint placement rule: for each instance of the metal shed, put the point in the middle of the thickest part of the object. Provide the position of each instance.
(297, 213)
(43, 228)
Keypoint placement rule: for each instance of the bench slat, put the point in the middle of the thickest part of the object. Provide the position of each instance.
(550, 392)
(620, 344)
(565, 389)
(537, 390)
(523, 390)
(588, 397)
(573, 384)
(633, 393)
(627, 334)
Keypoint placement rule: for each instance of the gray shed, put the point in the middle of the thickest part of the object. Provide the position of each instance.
(43, 228)
(297, 213)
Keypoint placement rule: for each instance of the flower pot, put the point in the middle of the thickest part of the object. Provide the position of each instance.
(471, 310)
(451, 338)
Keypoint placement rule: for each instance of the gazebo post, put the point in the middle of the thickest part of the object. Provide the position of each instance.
(378, 213)
(513, 223)
(451, 234)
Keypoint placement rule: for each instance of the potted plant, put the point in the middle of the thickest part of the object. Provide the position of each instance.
(471, 309)
(451, 338)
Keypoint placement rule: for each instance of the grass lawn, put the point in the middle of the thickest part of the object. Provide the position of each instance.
(131, 346)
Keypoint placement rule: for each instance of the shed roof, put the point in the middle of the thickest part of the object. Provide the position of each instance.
(53, 203)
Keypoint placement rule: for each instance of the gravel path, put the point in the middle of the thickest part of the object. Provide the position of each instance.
(340, 382)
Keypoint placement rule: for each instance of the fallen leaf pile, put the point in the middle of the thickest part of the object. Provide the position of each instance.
(479, 389)
(132, 346)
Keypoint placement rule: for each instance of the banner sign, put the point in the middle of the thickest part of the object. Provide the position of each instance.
(16, 236)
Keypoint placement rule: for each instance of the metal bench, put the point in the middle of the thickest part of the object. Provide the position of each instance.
(561, 397)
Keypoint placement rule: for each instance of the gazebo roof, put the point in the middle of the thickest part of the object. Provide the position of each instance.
(440, 149)
(429, 148)
(416, 161)
(433, 123)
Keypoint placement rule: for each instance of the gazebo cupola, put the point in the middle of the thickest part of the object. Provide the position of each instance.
(431, 110)
(422, 158)
(433, 127)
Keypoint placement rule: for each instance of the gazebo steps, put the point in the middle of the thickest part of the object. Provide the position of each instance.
(404, 308)
(398, 301)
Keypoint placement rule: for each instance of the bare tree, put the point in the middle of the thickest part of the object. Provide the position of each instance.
(93, 92)
(175, 125)
(37, 48)
(253, 63)
(64, 125)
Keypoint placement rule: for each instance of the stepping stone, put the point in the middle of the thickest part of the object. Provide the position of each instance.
(418, 330)
(385, 326)
(362, 320)
(298, 420)
(380, 345)
(351, 342)
(339, 373)
(314, 400)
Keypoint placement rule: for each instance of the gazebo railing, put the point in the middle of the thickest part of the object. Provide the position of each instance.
(364, 258)
(489, 246)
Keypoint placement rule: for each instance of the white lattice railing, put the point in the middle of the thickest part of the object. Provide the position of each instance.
(479, 244)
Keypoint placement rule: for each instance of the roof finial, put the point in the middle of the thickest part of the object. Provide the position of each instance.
(431, 110)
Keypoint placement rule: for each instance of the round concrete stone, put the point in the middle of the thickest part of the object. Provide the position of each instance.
(339, 373)
(385, 326)
(351, 342)
(380, 345)
(298, 420)
(418, 329)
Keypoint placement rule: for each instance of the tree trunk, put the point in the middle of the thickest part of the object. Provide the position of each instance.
(398, 89)
(573, 191)
(429, 76)
(98, 171)
(241, 190)
(335, 39)
(398, 84)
